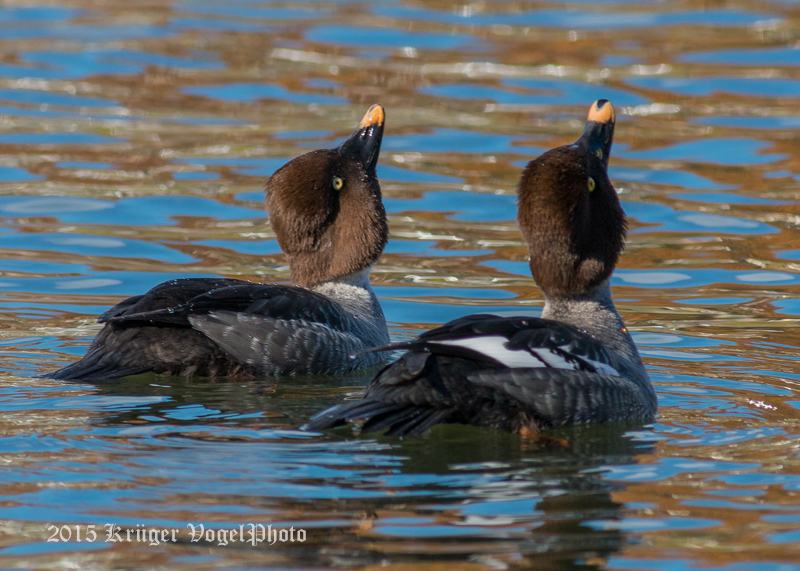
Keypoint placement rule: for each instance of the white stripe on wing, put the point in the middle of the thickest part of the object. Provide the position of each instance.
(495, 346)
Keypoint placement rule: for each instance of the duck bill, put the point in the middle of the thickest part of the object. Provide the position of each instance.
(599, 131)
(365, 143)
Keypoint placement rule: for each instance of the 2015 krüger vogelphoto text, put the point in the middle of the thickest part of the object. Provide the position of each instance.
(252, 533)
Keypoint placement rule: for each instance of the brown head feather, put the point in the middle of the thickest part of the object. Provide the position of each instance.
(569, 212)
(328, 229)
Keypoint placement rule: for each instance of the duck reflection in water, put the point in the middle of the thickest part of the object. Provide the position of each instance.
(463, 495)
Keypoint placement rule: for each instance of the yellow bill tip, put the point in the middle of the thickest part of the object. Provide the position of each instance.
(602, 112)
(374, 116)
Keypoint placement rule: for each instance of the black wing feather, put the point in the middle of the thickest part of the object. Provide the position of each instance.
(155, 332)
(157, 304)
(349, 411)
(565, 397)
(174, 302)
(435, 382)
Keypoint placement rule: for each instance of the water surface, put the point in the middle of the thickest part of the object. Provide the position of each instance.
(135, 140)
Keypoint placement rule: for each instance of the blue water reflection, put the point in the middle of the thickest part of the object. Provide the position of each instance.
(76, 65)
(726, 198)
(97, 282)
(783, 56)
(261, 167)
(450, 140)
(254, 247)
(217, 25)
(35, 97)
(76, 138)
(87, 33)
(252, 11)
(195, 176)
(462, 206)
(266, 167)
(535, 92)
(83, 114)
(16, 174)
(251, 92)
(420, 248)
(568, 92)
(15, 14)
(731, 152)
(665, 218)
(670, 467)
(572, 18)
(706, 86)
(683, 278)
(394, 173)
(779, 122)
(96, 165)
(787, 306)
(389, 38)
(129, 211)
(683, 179)
(87, 245)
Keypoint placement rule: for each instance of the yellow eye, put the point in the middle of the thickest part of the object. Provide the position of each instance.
(591, 184)
(338, 183)
(599, 153)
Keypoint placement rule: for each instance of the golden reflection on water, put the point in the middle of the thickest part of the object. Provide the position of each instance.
(707, 161)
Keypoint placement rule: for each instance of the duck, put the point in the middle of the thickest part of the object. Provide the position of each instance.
(575, 364)
(326, 210)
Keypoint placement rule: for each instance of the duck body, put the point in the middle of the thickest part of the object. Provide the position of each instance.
(518, 374)
(576, 364)
(326, 210)
(215, 327)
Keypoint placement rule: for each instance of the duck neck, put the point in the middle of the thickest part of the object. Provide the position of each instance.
(354, 293)
(596, 314)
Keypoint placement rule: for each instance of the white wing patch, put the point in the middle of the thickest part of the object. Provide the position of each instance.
(494, 346)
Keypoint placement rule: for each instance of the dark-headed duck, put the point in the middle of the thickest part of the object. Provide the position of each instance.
(577, 364)
(325, 208)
